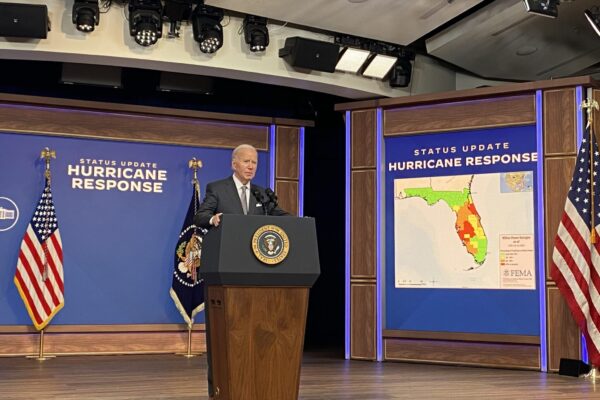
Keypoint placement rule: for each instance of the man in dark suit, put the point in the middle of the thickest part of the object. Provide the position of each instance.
(234, 195)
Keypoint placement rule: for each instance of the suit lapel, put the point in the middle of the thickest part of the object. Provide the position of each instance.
(252, 207)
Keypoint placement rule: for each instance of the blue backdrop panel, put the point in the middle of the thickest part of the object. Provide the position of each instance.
(458, 310)
(118, 244)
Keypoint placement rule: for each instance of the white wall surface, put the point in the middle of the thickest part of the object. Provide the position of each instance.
(111, 44)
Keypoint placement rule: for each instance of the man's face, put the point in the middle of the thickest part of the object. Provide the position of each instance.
(244, 165)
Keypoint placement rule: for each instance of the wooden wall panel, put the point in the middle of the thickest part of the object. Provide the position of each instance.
(14, 344)
(73, 118)
(462, 336)
(563, 333)
(363, 321)
(287, 195)
(503, 111)
(363, 224)
(558, 172)
(287, 165)
(364, 139)
(130, 127)
(560, 134)
(464, 353)
(101, 328)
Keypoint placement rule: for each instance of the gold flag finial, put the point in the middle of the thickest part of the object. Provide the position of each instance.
(589, 105)
(194, 163)
(47, 155)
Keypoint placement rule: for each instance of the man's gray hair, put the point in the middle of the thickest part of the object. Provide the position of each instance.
(240, 148)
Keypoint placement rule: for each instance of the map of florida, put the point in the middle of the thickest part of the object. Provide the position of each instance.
(454, 191)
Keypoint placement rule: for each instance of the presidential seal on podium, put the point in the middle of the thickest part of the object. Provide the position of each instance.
(270, 244)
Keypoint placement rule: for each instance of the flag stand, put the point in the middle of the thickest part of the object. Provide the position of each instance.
(41, 356)
(189, 354)
(593, 375)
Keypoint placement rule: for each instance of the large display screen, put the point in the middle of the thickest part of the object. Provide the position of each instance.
(461, 237)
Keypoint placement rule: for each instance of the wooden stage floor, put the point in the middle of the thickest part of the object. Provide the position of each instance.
(323, 377)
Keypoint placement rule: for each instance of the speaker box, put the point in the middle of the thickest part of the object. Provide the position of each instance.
(572, 367)
(24, 20)
(310, 54)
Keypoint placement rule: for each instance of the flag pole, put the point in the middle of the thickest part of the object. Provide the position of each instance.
(47, 155)
(194, 164)
(41, 356)
(188, 353)
(590, 105)
(189, 343)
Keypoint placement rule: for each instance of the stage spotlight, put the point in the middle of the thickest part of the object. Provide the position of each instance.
(401, 73)
(208, 32)
(86, 15)
(256, 33)
(593, 17)
(545, 8)
(145, 21)
(176, 11)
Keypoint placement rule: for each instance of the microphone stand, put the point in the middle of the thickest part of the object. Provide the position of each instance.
(272, 200)
(259, 198)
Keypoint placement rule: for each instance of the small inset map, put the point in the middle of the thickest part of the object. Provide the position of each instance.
(516, 182)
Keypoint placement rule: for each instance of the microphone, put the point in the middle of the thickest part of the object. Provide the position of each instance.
(272, 199)
(259, 199)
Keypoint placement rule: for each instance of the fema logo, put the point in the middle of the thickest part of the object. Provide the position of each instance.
(9, 214)
(270, 244)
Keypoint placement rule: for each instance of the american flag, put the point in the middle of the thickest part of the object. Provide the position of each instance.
(576, 260)
(39, 275)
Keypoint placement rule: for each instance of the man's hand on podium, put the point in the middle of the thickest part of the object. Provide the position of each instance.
(215, 220)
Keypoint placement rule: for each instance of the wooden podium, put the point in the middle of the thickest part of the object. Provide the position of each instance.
(256, 311)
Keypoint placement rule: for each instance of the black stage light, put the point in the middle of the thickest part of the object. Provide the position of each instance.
(86, 15)
(145, 21)
(206, 23)
(593, 17)
(176, 11)
(401, 73)
(545, 8)
(256, 33)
